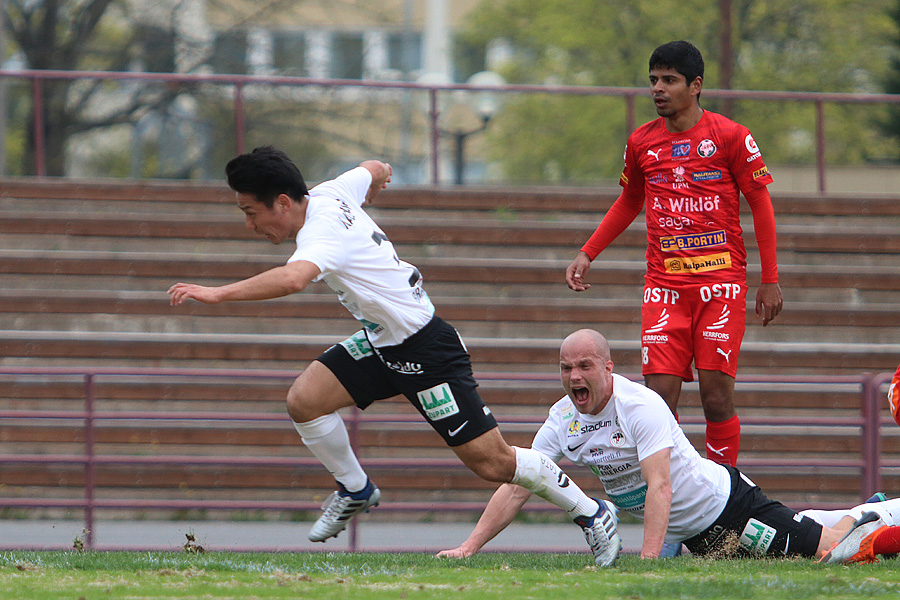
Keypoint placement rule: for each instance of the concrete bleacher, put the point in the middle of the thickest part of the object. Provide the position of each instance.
(85, 266)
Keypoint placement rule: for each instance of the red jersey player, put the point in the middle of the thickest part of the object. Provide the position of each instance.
(894, 396)
(689, 168)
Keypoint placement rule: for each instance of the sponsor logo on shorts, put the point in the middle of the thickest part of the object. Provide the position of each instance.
(654, 339)
(687, 265)
(691, 241)
(716, 336)
(760, 173)
(757, 537)
(438, 402)
(722, 320)
(404, 367)
(660, 323)
(658, 295)
(706, 175)
(357, 346)
(407, 368)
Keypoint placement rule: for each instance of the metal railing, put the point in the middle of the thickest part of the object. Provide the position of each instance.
(434, 92)
(868, 423)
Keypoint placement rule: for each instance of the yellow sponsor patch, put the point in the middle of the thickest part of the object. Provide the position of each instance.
(689, 265)
(760, 172)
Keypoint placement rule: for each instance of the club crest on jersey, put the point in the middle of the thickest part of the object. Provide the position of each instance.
(617, 439)
(706, 148)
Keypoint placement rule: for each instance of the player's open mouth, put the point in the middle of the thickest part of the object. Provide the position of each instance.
(580, 395)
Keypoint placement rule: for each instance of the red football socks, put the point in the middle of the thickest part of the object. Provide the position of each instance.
(723, 440)
(887, 541)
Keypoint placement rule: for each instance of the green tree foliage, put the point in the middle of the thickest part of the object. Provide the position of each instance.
(79, 34)
(804, 45)
(889, 121)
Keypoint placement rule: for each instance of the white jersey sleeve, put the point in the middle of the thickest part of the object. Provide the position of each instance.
(351, 186)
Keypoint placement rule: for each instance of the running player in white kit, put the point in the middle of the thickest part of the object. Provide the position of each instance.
(402, 347)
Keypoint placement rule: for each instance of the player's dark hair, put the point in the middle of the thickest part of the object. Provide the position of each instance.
(682, 56)
(265, 173)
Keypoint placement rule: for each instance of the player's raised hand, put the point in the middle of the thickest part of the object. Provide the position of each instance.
(181, 292)
(576, 272)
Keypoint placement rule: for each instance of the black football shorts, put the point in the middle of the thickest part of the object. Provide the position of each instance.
(431, 368)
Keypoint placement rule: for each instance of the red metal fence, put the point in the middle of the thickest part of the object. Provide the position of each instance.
(868, 423)
(240, 82)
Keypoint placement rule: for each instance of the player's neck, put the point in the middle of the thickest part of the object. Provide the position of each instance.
(684, 120)
(298, 215)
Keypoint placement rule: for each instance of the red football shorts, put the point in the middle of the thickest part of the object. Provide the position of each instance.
(894, 396)
(703, 324)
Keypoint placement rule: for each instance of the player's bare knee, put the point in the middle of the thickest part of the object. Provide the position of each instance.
(498, 468)
(494, 471)
(300, 404)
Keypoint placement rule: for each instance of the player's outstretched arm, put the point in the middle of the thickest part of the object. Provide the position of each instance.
(381, 176)
(502, 508)
(274, 283)
(658, 503)
(577, 270)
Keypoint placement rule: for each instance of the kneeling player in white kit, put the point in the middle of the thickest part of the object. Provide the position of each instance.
(627, 436)
(402, 348)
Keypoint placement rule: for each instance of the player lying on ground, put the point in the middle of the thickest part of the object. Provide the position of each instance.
(627, 436)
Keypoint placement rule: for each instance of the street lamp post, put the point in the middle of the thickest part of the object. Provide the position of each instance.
(459, 139)
(485, 104)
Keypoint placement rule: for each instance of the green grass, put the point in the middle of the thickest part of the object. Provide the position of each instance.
(132, 575)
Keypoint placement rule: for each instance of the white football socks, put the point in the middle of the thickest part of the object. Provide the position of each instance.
(326, 437)
(889, 511)
(543, 478)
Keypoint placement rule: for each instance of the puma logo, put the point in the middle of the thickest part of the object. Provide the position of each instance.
(654, 154)
(720, 451)
(727, 355)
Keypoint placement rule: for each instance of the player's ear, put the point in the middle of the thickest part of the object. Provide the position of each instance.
(696, 85)
(283, 202)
